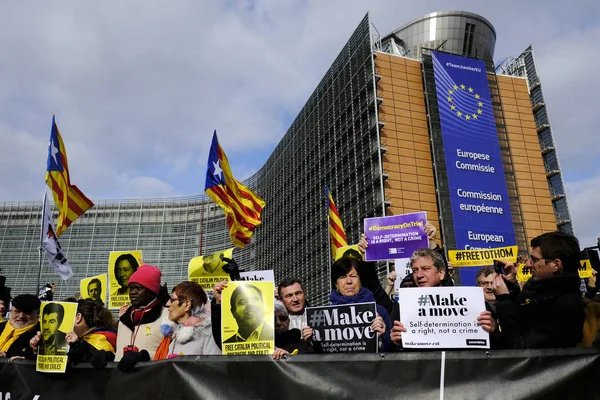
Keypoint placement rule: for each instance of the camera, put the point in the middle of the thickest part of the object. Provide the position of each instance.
(129, 348)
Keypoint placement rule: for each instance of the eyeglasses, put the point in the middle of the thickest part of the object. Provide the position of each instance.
(535, 259)
(282, 318)
(179, 299)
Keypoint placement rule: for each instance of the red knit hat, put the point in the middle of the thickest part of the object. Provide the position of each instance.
(148, 276)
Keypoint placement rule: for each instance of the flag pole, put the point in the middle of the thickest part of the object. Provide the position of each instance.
(41, 248)
(328, 235)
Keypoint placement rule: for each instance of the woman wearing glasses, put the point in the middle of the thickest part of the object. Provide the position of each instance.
(190, 311)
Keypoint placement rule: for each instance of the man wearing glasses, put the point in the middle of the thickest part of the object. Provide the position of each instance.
(548, 312)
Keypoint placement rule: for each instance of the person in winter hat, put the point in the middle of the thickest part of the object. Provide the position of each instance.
(138, 333)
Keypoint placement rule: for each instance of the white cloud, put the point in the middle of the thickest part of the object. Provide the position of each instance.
(585, 211)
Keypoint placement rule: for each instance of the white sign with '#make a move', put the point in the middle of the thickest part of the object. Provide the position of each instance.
(442, 318)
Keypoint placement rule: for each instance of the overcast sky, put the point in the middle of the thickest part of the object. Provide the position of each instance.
(139, 86)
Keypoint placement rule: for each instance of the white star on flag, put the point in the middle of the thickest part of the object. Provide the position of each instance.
(54, 151)
(218, 171)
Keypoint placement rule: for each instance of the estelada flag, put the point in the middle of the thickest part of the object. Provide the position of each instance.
(242, 207)
(69, 200)
(337, 234)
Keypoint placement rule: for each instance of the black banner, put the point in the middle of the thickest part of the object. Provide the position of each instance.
(532, 374)
(344, 328)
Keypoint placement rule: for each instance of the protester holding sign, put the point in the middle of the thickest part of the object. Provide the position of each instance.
(287, 341)
(22, 326)
(190, 310)
(549, 310)
(93, 338)
(138, 334)
(368, 272)
(429, 270)
(348, 290)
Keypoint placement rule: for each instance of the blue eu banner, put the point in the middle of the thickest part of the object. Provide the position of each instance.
(478, 195)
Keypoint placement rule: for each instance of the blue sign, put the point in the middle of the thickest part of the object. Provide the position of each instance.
(478, 195)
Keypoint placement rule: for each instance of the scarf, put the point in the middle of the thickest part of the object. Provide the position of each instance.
(363, 296)
(143, 315)
(10, 334)
(102, 339)
(539, 291)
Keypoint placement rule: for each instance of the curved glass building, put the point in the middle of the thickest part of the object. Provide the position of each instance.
(370, 131)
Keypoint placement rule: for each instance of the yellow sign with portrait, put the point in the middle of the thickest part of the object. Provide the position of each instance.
(121, 265)
(94, 288)
(56, 320)
(247, 317)
(208, 270)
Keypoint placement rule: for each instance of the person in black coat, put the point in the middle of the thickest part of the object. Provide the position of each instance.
(548, 313)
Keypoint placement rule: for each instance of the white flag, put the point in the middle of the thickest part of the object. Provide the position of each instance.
(55, 255)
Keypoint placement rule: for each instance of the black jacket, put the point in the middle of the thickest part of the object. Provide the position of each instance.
(20, 347)
(546, 314)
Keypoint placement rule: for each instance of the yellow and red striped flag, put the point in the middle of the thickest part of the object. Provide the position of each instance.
(242, 207)
(70, 201)
(337, 234)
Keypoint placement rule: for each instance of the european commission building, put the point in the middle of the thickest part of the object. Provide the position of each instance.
(373, 132)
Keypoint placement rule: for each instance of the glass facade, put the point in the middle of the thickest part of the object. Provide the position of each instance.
(169, 232)
(456, 32)
(524, 66)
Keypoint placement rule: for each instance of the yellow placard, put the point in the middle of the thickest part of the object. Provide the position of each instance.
(585, 271)
(94, 288)
(121, 265)
(247, 317)
(348, 251)
(476, 258)
(208, 270)
(56, 320)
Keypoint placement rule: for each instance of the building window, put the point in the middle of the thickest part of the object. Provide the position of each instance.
(468, 39)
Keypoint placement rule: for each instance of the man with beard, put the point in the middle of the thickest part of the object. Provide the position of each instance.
(54, 342)
(16, 333)
(247, 307)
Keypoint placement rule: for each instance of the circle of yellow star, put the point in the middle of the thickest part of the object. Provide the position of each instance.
(460, 114)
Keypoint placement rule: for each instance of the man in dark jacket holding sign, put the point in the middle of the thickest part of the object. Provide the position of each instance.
(549, 310)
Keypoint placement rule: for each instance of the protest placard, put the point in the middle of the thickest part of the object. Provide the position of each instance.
(94, 288)
(585, 271)
(208, 269)
(344, 328)
(266, 275)
(121, 265)
(442, 317)
(403, 269)
(56, 320)
(396, 236)
(482, 257)
(247, 315)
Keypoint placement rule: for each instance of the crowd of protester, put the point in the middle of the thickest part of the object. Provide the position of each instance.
(548, 311)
